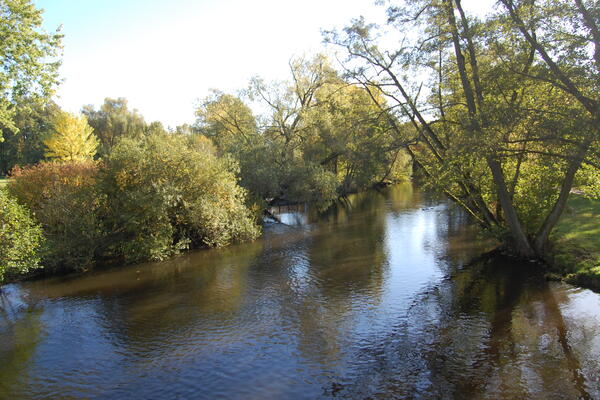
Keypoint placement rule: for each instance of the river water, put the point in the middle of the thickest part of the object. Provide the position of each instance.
(372, 299)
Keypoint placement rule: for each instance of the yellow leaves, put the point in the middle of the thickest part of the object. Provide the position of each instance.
(121, 179)
(73, 139)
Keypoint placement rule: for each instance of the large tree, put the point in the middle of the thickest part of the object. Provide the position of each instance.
(114, 120)
(318, 137)
(34, 124)
(29, 59)
(498, 125)
(227, 120)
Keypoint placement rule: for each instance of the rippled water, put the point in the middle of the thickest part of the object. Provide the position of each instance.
(371, 300)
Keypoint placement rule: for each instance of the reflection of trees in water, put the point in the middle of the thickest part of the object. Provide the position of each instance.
(347, 260)
(493, 331)
(123, 321)
(362, 205)
(344, 266)
(20, 334)
(320, 274)
(181, 295)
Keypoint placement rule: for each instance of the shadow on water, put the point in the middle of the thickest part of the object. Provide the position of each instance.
(492, 330)
(371, 299)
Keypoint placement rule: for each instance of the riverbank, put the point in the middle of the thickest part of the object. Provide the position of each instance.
(576, 253)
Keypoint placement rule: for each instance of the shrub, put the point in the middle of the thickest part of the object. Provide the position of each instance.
(259, 170)
(164, 195)
(35, 184)
(65, 201)
(20, 237)
(309, 182)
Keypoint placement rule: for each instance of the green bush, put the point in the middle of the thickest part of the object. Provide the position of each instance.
(164, 195)
(148, 199)
(259, 170)
(21, 238)
(307, 182)
(65, 201)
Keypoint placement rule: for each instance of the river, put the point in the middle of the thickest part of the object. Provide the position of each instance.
(372, 299)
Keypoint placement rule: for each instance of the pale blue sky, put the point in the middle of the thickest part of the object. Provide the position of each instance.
(163, 55)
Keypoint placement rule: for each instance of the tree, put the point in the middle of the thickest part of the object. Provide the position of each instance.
(493, 121)
(21, 237)
(73, 138)
(289, 101)
(570, 54)
(34, 124)
(350, 136)
(113, 121)
(319, 137)
(29, 62)
(165, 194)
(226, 120)
(322, 124)
(63, 197)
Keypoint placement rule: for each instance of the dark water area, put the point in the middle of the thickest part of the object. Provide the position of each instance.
(372, 299)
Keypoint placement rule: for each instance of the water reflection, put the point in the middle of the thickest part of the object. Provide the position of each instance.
(369, 300)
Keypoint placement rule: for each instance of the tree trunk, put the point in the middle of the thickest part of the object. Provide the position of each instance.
(541, 238)
(521, 243)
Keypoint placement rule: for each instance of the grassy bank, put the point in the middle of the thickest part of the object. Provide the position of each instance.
(576, 255)
(3, 182)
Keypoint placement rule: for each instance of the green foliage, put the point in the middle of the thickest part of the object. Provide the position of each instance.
(201, 144)
(65, 201)
(501, 111)
(114, 120)
(226, 120)
(164, 195)
(310, 183)
(29, 64)
(536, 192)
(348, 134)
(72, 140)
(589, 181)
(321, 137)
(150, 198)
(21, 237)
(34, 124)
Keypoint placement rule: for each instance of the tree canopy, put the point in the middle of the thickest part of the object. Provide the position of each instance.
(114, 120)
(29, 60)
(318, 136)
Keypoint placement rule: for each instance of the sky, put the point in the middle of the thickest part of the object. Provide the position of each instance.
(165, 55)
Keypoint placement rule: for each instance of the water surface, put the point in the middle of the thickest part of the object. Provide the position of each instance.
(372, 299)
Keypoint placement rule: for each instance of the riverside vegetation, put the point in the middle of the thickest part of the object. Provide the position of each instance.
(500, 113)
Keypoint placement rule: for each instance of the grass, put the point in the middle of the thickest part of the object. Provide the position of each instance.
(3, 182)
(577, 243)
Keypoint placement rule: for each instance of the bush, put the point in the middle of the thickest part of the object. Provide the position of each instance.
(35, 184)
(65, 201)
(149, 199)
(259, 170)
(310, 183)
(164, 195)
(21, 238)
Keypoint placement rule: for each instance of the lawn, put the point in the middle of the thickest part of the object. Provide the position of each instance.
(577, 242)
